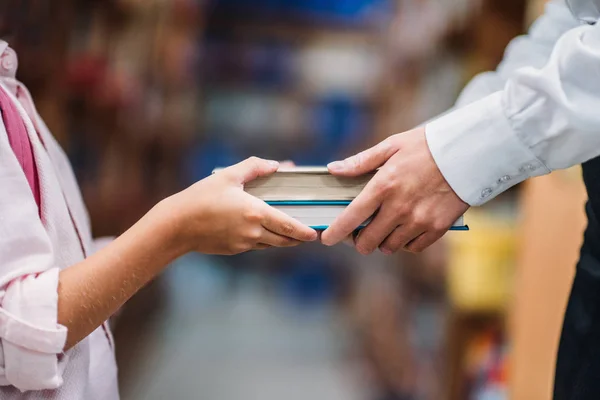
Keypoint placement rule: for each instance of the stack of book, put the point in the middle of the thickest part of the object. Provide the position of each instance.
(312, 195)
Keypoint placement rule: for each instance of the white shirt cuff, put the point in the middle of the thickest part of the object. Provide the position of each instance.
(478, 152)
(30, 337)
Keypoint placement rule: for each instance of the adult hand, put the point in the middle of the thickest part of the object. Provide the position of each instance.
(414, 204)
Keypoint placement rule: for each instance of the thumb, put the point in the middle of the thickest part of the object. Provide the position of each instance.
(363, 162)
(252, 168)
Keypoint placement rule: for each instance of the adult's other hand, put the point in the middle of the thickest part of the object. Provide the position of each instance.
(412, 204)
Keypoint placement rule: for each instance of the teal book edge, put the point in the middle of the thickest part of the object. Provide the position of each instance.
(454, 228)
(334, 203)
(309, 203)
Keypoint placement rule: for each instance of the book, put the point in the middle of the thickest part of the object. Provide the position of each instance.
(312, 195)
(306, 184)
(320, 215)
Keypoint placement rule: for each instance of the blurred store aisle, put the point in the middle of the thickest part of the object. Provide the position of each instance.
(209, 342)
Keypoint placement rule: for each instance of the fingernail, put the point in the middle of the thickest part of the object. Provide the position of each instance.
(274, 163)
(335, 166)
(385, 251)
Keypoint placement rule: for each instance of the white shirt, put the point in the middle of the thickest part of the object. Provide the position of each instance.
(33, 250)
(538, 112)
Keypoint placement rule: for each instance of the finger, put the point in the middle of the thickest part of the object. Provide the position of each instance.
(286, 164)
(261, 246)
(282, 224)
(374, 234)
(275, 240)
(252, 168)
(423, 241)
(365, 161)
(398, 239)
(357, 212)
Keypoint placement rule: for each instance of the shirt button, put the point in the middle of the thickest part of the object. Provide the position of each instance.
(527, 167)
(486, 192)
(504, 179)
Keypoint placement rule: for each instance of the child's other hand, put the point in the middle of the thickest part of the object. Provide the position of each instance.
(216, 215)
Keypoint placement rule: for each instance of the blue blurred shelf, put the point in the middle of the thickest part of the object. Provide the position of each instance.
(328, 12)
(356, 16)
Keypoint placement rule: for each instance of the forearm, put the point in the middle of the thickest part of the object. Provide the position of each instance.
(91, 291)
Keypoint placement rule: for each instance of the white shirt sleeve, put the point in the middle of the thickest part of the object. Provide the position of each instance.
(31, 340)
(541, 114)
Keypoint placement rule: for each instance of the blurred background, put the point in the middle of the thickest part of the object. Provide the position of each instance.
(148, 96)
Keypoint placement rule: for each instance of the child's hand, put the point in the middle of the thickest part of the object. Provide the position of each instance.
(216, 216)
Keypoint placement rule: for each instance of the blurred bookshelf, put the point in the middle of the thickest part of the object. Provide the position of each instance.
(300, 76)
(481, 270)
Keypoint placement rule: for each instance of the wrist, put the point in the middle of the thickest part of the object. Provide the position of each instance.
(166, 219)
